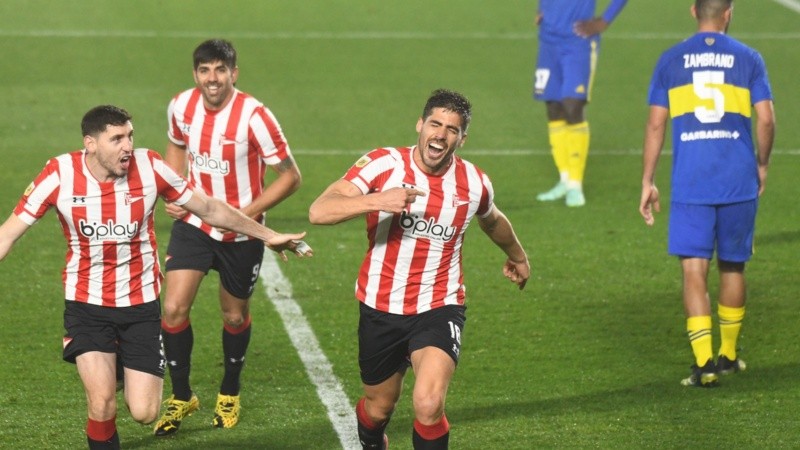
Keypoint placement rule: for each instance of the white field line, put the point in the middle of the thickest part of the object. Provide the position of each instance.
(794, 5)
(340, 412)
(366, 35)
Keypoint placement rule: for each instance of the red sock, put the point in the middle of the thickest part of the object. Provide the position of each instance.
(432, 432)
(176, 329)
(240, 328)
(101, 431)
(361, 414)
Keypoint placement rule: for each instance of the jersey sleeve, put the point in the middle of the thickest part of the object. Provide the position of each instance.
(41, 194)
(170, 186)
(760, 88)
(265, 133)
(371, 170)
(173, 131)
(658, 93)
(487, 197)
(613, 10)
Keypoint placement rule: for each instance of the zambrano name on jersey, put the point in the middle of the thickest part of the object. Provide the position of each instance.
(708, 59)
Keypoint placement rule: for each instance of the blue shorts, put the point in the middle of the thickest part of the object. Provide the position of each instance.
(565, 71)
(696, 230)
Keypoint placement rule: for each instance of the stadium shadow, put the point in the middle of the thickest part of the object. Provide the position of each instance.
(779, 238)
(756, 380)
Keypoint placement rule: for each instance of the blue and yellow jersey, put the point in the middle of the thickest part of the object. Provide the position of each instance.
(709, 83)
(559, 16)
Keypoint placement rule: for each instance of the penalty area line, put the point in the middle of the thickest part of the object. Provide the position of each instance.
(329, 390)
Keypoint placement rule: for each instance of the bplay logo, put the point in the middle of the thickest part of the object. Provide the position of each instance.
(206, 163)
(426, 228)
(108, 231)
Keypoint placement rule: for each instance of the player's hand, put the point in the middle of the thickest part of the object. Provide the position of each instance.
(586, 28)
(280, 242)
(762, 179)
(649, 203)
(538, 19)
(397, 199)
(517, 272)
(175, 211)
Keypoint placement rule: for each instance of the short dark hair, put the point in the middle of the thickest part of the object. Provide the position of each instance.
(450, 101)
(711, 9)
(98, 118)
(215, 50)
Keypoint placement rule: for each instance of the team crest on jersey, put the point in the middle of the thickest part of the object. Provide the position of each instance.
(29, 189)
(580, 89)
(129, 199)
(363, 161)
(458, 201)
(225, 140)
(710, 41)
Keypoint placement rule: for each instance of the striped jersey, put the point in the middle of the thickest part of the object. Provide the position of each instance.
(112, 257)
(413, 263)
(709, 82)
(559, 17)
(228, 150)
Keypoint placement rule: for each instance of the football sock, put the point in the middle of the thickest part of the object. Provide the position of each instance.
(102, 435)
(576, 137)
(234, 347)
(369, 433)
(431, 437)
(556, 130)
(730, 323)
(699, 330)
(178, 343)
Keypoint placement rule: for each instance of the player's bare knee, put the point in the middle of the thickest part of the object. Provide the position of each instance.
(233, 320)
(428, 408)
(144, 414)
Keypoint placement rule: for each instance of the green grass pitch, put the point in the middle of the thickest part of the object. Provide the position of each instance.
(588, 356)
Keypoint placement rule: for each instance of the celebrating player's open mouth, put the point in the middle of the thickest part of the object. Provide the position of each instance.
(125, 161)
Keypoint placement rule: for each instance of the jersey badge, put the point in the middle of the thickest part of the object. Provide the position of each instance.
(29, 189)
(459, 201)
(129, 199)
(224, 140)
(363, 161)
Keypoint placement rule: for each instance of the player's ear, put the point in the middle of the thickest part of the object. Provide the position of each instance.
(419, 125)
(693, 10)
(89, 143)
(463, 140)
(235, 74)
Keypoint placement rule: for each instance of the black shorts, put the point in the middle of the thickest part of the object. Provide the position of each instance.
(236, 262)
(133, 332)
(386, 341)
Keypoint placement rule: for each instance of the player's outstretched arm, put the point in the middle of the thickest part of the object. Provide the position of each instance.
(342, 200)
(497, 226)
(11, 230)
(219, 214)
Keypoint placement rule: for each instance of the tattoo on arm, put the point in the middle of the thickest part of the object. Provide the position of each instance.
(284, 165)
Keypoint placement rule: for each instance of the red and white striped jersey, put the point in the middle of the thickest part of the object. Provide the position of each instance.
(413, 263)
(228, 150)
(112, 257)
